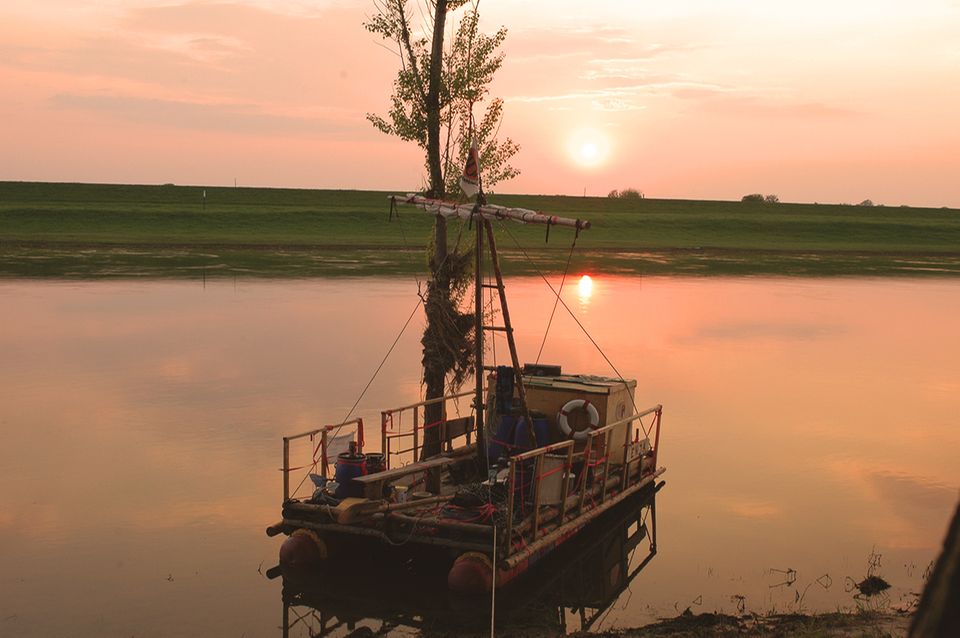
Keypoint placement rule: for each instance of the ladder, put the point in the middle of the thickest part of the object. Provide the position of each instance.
(484, 227)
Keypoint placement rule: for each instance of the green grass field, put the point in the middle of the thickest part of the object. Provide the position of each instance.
(76, 230)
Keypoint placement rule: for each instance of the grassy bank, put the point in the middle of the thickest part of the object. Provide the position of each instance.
(112, 230)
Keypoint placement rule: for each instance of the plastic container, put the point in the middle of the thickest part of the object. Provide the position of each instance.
(551, 487)
(349, 467)
(521, 435)
(506, 425)
(375, 462)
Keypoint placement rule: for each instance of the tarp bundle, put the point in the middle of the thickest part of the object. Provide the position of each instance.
(487, 211)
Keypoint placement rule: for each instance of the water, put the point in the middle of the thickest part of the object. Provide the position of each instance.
(808, 424)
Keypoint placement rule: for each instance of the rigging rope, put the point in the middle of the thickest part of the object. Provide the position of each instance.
(403, 234)
(559, 290)
(582, 327)
(385, 357)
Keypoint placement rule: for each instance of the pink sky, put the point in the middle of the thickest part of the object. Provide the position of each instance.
(830, 101)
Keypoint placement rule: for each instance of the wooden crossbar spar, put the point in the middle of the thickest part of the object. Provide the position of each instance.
(487, 211)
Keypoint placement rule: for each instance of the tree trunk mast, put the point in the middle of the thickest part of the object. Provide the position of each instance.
(433, 101)
(434, 374)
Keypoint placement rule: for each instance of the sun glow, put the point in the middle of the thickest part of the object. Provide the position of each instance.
(588, 147)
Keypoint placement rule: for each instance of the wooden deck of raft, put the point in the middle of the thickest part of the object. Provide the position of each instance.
(614, 475)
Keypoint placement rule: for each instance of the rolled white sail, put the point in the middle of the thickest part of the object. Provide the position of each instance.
(488, 211)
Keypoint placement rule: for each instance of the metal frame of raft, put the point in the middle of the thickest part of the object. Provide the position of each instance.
(551, 491)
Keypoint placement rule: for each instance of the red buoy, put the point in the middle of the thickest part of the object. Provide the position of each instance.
(472, 573)
(303, 548)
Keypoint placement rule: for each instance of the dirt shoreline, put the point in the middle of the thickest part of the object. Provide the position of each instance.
(866, 624)
(599, 250)
(82, 260)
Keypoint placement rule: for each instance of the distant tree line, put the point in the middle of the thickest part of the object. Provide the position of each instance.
(626, 193)
(759, 198)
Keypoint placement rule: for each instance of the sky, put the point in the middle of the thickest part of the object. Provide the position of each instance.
(814, 100)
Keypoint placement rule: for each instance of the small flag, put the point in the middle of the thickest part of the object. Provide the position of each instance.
(470, 180)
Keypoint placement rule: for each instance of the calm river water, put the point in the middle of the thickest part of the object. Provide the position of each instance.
(809, 425)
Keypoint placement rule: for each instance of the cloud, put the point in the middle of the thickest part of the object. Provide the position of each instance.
(186, 15)
(624, 96)
(637, 62)
(229, 51)
(595, 45)
(230, 117)
(614, 104)
(537, 44)
(608, 68)
(622, 93)
(204, 48)
(755, 105)
(615, 69)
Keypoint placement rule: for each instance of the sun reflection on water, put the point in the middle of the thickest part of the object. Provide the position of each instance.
(585, 288)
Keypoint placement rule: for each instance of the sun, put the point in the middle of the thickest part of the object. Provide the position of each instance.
(588, 147)
(588, 153)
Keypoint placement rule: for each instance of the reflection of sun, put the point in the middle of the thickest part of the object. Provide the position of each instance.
(585, 287)
(588, 147)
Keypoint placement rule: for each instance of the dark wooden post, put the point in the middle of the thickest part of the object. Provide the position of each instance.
(478, 399)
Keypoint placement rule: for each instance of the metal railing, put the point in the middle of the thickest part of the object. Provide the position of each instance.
(590, 469)
(321, 441)
(393, 435)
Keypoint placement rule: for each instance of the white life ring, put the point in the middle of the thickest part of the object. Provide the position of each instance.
(570, 406)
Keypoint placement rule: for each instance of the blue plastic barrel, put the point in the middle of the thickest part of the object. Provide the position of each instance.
(521, 435)
(349, 467)
(505, 427)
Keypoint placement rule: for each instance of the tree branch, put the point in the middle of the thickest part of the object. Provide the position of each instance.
(405, 42)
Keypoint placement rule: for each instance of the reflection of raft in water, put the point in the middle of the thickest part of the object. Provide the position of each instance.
(491, 495)
(569, 591)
